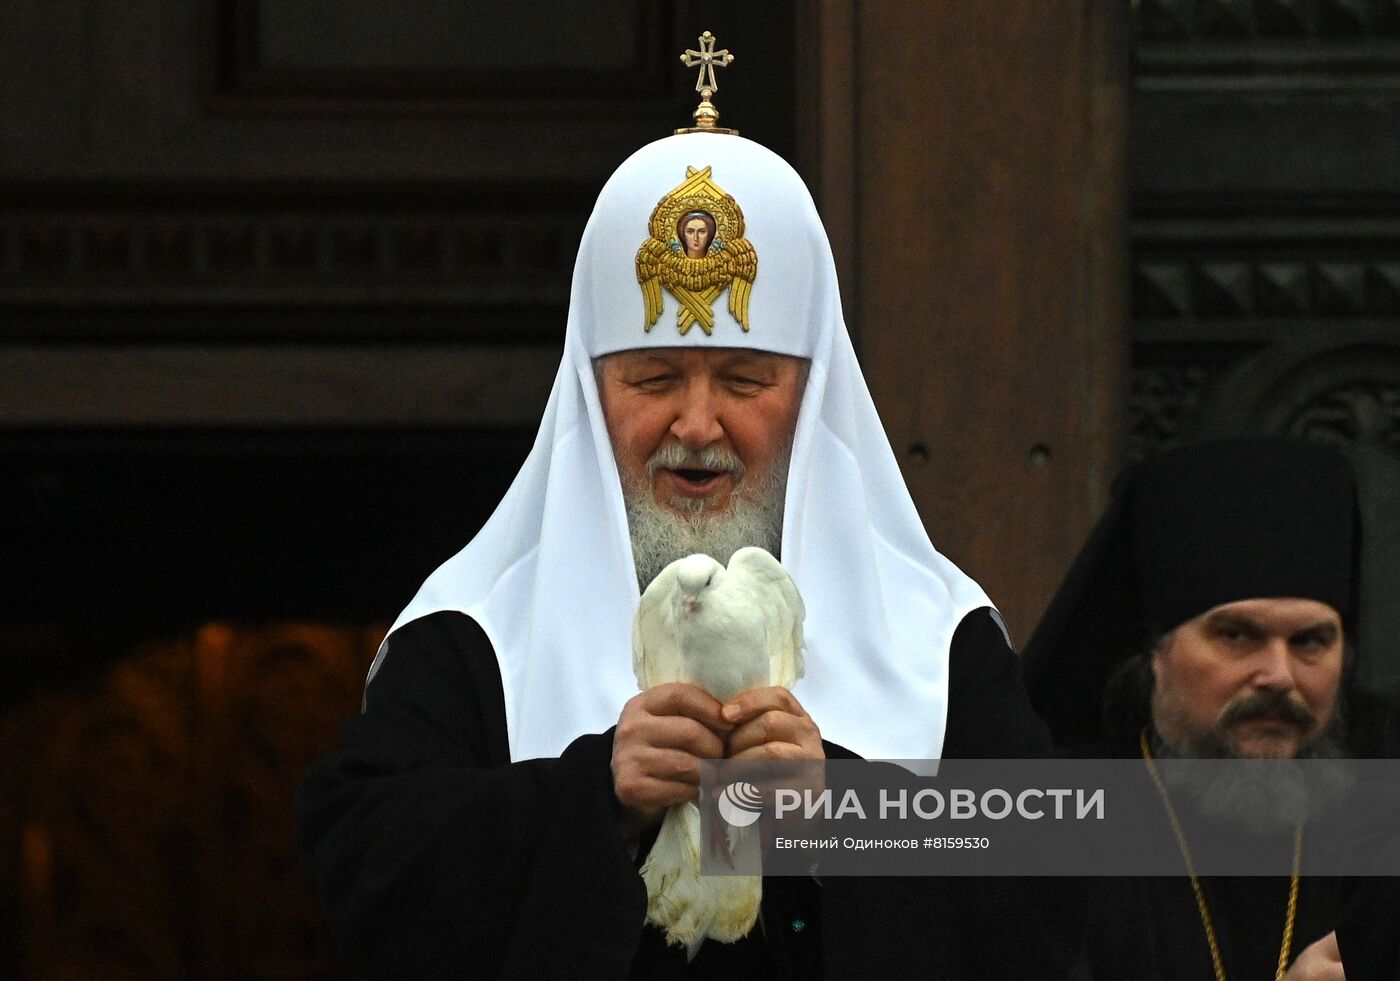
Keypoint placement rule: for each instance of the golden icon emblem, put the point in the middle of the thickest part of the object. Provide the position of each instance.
(696, 251)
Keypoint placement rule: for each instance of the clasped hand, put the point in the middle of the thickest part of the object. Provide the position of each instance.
(664, 732)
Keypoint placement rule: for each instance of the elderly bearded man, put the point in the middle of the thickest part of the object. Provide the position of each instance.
(488, 810)
(1207, 617)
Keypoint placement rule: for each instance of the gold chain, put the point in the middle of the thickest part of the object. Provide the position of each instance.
(1201, 906)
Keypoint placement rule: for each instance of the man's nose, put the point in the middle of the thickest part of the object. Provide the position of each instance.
(697, 423)
(1273, 669)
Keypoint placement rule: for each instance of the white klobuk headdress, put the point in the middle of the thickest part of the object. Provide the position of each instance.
(550, 577)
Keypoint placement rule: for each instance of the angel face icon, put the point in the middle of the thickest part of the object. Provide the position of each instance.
(696, 251)
(695, 231)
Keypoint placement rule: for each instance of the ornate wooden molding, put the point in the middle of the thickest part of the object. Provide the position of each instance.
(1339, 390)
(1358, 411)
(1166, 390)
(1342, 390)
(1253, 288)
(1163, 22)
(1253, 275)
(1268, 44)
(344, 385)
(137, 263)
(465, 58)
(272, 256)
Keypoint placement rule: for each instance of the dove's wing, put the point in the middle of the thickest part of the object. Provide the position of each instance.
(656, 656)
(639, 650)
(783, 613)
(785, 662)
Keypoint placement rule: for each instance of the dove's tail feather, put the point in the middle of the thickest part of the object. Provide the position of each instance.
(670, 870)
(734, 901)
(688, 906)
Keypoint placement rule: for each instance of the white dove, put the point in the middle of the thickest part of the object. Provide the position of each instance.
(726, 630)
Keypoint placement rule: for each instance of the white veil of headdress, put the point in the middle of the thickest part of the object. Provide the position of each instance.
(550, 577)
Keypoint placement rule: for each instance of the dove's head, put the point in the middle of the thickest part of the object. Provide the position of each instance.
(694, 575)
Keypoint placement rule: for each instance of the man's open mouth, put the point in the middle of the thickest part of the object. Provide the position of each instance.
(694, 482)
(695, 477)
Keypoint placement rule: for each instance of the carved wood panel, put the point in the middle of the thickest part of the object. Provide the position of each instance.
(1266, 221)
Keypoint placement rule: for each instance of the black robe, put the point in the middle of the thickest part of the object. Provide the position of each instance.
(437, 857)
(1150, 928)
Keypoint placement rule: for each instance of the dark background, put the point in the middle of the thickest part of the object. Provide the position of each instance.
(282, 289)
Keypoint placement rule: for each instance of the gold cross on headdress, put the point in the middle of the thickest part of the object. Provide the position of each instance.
(707, 58)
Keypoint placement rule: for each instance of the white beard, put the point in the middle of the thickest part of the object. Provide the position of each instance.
(661, 535)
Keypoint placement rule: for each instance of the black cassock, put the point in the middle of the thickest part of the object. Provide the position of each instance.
(1151, 929)
(437, 857)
